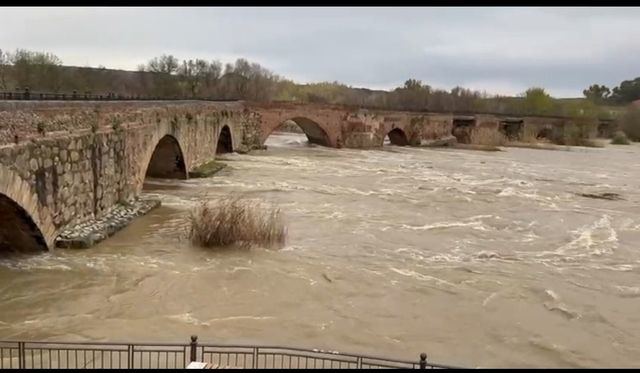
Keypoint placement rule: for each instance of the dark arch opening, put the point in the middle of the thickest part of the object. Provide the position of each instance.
(605, 129)
(167, 161)
(225, 144)
(511, 128)
(544, 134)
(398, 137)
(18, 232)
(315, 134)
(462, 128)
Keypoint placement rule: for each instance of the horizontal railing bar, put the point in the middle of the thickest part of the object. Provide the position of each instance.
(327, 358)
(102, 343)
(307, 350)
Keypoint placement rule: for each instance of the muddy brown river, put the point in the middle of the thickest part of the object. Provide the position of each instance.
(480, 259)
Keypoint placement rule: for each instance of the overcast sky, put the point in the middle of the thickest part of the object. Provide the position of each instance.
(500, 50)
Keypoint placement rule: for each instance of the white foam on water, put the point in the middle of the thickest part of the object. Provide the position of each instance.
(552, 294)
(628, 291)
(489, 299)
(236, 269)
(512, 192)
(562, 309)
(486, 254)
(187, 318)
(596, 239)
(443, 225)
(236, 318)
(421, 277)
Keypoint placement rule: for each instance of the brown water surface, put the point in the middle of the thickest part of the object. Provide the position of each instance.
(477, 258)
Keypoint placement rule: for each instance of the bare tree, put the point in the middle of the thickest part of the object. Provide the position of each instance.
(163, 68)
(37, 69)
(212, 77)
(193, 73)
(166, 64)
(4, 67)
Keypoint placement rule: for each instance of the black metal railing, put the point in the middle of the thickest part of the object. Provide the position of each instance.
(99, 355)
(28, 95)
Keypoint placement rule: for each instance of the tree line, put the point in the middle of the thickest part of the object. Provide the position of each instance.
(167, 76)
(627, 92)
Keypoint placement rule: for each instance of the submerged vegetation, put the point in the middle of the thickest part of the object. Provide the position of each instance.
(620, 138)
(487, 136)
(207, 169)
(236, 221)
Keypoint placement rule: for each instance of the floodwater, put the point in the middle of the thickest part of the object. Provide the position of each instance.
(480, 259)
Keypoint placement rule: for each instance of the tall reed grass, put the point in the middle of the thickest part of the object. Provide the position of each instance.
(236, 221)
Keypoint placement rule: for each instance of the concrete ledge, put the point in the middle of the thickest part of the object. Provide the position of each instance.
(89, 233)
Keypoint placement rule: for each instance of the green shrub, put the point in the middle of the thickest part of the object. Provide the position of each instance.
(620, 138)
(630, 123)
(578, 134)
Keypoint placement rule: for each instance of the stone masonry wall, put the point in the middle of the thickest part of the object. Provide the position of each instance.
(69, 177)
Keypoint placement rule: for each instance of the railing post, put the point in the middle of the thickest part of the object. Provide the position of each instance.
(21, 357)
(255, 358)
(423, 361)
(74, 96)
(130, 357)
(27, 95)
(194, 346)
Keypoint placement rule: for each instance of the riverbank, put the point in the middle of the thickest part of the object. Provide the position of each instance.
(91, 232)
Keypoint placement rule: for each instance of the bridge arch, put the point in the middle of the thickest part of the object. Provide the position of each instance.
(167, 160)
(225, 141)
(545, 133)
(26, 226)
(398, 137)
(315, 132)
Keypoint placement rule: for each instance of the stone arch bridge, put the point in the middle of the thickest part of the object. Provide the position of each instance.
(62, 163)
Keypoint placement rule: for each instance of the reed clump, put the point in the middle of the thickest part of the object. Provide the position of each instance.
(236, 221)
(487, 136)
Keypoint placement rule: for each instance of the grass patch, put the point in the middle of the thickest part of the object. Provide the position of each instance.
(487, 137)
(529, 135)
(207, 169)
(236, 221)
